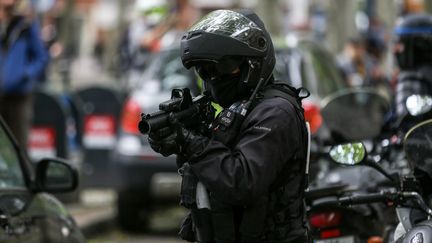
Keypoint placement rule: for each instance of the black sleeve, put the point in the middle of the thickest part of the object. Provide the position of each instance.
(268, 139)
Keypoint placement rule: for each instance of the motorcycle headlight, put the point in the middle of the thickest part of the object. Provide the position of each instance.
(418, 104)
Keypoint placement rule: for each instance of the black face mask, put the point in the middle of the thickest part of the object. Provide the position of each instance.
(225, 89)
(222, 80)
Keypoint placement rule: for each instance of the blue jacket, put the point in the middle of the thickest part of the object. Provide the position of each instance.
(23, 58)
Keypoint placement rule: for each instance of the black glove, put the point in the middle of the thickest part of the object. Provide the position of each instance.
(176, 140)
(169, 140)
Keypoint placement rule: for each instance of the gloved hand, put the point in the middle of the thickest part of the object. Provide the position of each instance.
(169, 140)
(175, 140)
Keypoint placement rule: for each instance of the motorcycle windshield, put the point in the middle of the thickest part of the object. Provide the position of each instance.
(418, 146)
(355, 114)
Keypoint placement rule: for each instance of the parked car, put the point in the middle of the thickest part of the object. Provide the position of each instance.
(147, 178)
(311, 66)
(28, 213)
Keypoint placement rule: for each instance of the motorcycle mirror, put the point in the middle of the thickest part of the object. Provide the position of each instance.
(348, 153)
(355, 154)
(418, 104)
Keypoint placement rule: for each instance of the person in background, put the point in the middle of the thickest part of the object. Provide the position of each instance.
(353, 62)
(413, 53)
(23, 59)
(376, 39)
(142, 38)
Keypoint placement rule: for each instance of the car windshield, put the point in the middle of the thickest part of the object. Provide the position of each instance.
(282, 71)
(309, 66)
(10, 169)
(166, 72)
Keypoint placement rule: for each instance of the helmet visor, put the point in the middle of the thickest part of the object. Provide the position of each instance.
(232, 24)
(212, 70)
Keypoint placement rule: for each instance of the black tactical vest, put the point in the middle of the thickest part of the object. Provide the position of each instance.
(277, 217)
(286, 205)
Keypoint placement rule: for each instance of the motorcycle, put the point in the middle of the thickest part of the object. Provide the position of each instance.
(409, 197)
(353, 114)
(362, 111)
(358, 223)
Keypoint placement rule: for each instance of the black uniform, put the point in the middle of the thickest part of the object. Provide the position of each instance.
(253, 163)
(266, 148)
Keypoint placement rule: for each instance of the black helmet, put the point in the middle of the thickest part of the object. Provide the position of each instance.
(227, 40)
(414, 32)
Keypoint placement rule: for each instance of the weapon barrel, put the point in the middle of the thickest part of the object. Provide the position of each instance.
(160, 119)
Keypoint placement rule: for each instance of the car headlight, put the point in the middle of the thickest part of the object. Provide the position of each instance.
(418, 104)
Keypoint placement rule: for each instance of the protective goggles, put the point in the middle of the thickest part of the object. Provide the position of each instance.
(209, 70)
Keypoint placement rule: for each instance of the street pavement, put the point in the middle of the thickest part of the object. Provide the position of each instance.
(95, 215)
(95, 211)
(118, 236)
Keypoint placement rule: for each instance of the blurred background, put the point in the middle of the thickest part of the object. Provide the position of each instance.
(96, 38)
(111, 60)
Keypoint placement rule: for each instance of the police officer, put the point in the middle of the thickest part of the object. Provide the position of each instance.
(253, 162)
(413, 51)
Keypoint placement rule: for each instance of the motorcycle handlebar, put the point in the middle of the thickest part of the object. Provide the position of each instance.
(397, 197)
(356, 199)
(363, 199)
